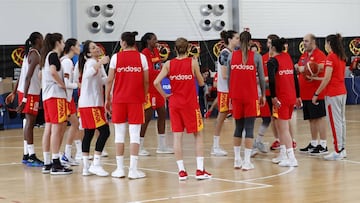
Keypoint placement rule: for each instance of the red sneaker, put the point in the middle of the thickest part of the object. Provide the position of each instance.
(275, 145)
(207, 114)
(183, 175)
(294, 144)
(202, 175)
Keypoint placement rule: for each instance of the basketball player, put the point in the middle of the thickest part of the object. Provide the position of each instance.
(264, 114)
(335, 94)
(244, 65)
(129, 77)
(154, 100)
(54, 98)
(232, 40)
(72, 47)
(284, 91)
(183, 104)
(315, 114)
(28, 88)
(91, 106)
(276, 144)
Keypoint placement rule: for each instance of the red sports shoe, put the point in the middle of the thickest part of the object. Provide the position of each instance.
(294, 144)
(275, 145)
(183, 175)
(202, 175)
(207, 114)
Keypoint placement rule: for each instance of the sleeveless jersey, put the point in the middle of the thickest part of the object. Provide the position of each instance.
(183, 85)
(50, 89)
(35, 83)
(284, 79)
(243, 85)
(129, 78)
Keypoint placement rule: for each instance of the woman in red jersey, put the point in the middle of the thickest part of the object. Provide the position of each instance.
(335, 94)
(128, 82)
(284, 90)
(183, 104)
(244, 66)
(154, 99)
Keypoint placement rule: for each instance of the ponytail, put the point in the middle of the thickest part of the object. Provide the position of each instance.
(145, 38)
(129, 38)
(68, 44)
(279, 44)
(48, 45)
(245, 38)
(84, 56)
(335, 42)
(31, 41)
(226, 35)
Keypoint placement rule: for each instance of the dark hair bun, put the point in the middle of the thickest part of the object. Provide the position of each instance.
(134, 33)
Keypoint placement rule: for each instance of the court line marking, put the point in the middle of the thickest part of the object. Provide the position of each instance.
(10, 164)
(202, 194)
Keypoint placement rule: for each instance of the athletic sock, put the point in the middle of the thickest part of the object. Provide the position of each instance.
(68, 148)
(237, 152)
(200, 163)
(314, 143)
(216, 141)
(31, 149)
(180, 164)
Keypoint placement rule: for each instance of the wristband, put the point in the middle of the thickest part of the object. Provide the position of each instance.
(24, 100)
(316, 94)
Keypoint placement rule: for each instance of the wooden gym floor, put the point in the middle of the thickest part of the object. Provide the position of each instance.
(315, 180)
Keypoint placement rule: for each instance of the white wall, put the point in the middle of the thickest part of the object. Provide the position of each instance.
(295, 18)
(172, 18)
(168, 19)
(19, 18)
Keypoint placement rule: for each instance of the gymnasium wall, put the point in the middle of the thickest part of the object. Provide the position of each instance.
(294, 18)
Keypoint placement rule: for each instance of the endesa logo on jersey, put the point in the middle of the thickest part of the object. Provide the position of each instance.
(242, 67)
(286, 72)
(128, 69)
(180, 77)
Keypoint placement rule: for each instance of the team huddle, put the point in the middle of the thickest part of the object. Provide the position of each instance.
(249, 86)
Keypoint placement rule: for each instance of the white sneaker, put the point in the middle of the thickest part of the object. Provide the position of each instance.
(344, 153)
(218, 151)
(288, 163)
(98, 170)
(254, 152)
(104, 153)
(86, 172)
(246, 166)
(144, 152)
(78, 156)
(69, 161)
(334, 156)
(277, 159)
(118, 173)
(136, 174)
(165, 150)
(262, 147)
(237, 163)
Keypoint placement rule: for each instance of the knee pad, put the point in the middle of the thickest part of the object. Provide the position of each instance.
(134, 131)
(120, 130)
